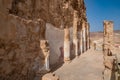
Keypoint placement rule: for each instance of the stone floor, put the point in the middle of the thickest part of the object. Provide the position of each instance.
(88, 66)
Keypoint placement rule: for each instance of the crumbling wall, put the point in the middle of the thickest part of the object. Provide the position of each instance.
(50, 11)
(21, 28)
(108, 37)
(108, 47)
(5, 5)
(20, 53)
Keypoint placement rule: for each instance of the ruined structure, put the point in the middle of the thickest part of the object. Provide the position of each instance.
(24, 49)
(45, 50)
(75, 31)
(66, 45)
(108, 37)
(109, 58)
(80, 28)
(87, 36)
(30, 47)
(20, 53)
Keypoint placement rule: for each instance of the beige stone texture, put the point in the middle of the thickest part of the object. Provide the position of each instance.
(44, 45)
(108, 37)
(84, 36)
(66, 44)
(107, 74)
(81, 42)
(23, 26)
(75, 32)
(75, 25)
(49, 10)
(20, 53)
(87, 36)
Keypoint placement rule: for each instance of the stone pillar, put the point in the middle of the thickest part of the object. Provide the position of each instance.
(81, 41)
(47, 61)
(107, 49)
(45, 49)
(84, 36)
(108, 38)
(87, 36)
(75, 32)
(66, 45)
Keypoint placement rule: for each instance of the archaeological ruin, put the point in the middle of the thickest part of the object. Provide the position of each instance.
(51, 40)
(108, 37)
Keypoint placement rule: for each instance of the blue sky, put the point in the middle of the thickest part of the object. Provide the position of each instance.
(100, 10)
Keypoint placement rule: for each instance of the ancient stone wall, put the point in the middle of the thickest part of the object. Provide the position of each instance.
(108, 37)
(22, 26)
(109, 59)
(49, 10)
(20, 53)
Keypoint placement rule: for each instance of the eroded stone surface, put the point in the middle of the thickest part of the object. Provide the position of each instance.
(66, 44)
(51, 11)
(22, 25)
(44, 45)
(108, 37)
(20, 54)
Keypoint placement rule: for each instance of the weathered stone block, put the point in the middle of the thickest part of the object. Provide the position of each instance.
(108, 37)
(19, 46)
(50, 76)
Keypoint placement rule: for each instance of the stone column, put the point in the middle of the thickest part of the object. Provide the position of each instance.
(84, 36)
(75, 32)
(47, 67)
(45, 50)
(66, 45)
(81, 41)
(108, 37)
(87, 37)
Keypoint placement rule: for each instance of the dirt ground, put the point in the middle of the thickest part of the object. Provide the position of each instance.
(88, 66)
